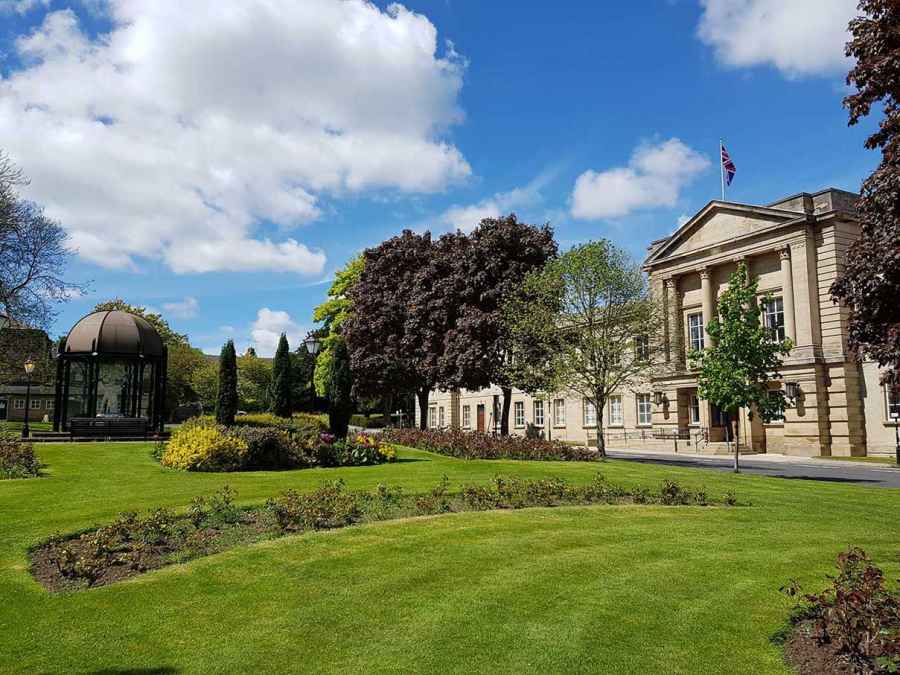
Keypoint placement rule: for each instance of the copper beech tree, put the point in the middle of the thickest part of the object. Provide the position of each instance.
(870, 282)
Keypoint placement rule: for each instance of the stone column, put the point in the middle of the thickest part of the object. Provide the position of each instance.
(676, 333)
(708, 302)
(787, 286)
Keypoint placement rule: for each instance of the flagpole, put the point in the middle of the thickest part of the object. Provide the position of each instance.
(722, 167)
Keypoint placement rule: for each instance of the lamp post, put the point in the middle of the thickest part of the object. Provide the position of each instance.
(895, 416)
(312, 344)
(29, 368)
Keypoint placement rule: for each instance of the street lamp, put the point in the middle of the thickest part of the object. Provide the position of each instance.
(29, 368)
(895, 418)
(312, 344)
(792, 391)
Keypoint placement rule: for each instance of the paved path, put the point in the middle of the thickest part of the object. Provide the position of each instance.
(781, 466)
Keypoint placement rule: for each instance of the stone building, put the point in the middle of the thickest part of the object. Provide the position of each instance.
(795, 248)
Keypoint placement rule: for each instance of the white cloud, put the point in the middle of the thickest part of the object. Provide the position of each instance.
(180, 132)
(467, 217)
(269, 326)
(183, 309)
(682, 219)
(799, 37)
(21, 6)
(654, 177)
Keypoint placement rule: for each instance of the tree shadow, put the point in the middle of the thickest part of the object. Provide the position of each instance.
(161, 670)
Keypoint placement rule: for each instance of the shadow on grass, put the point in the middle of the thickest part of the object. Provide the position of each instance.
(161, 670)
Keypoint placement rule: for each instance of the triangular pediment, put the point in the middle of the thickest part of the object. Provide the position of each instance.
(718, 223)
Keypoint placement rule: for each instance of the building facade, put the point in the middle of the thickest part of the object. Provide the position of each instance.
(795, 248)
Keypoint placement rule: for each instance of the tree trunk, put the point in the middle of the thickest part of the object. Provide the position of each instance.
(737, 442)
(599, 405)
(422, 395)
(504, 416)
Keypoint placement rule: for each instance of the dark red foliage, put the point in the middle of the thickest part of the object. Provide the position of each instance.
(870, 284)
(476, 445)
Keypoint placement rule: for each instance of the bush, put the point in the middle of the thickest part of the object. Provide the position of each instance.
(367, 421)
(328, 507)
(198, 447)
(17, 459)
(858, 614)
(271, 448)
(478, 445)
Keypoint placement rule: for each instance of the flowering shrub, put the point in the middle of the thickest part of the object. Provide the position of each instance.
(858, 615)
(477, 445)
(198, 447)
(272, 448)
(17, 458)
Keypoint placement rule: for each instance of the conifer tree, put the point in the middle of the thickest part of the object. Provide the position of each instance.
(282, 379)
(227, 400)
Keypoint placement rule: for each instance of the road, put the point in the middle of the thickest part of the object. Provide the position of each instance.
(780, 466)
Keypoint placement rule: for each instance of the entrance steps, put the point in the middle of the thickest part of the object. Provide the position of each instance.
(722, 448)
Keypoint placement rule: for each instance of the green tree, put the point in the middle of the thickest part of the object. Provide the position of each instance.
(339, 383)
(205, 382)
(737, 368)
(282, 379)
(303, 389)
(869, 284)
(332, 314)
(166, 333)
(584, 323)
(254, 382)
(227, 400)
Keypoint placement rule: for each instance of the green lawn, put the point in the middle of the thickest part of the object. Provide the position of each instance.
(34, 426)
(624, 589)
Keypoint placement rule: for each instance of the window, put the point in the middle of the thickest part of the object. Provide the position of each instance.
(695, 331)
(19, 404)
(432, 417)
(538, 413)
(519, 414)
(773, 319)
(49, 404)
(35, 404)
(695, 409)
(642, 348)
(616, 418)
(441, 417)
(467, 416)
(893, 404)
(644, 411)
(590, 413)
(559, 413)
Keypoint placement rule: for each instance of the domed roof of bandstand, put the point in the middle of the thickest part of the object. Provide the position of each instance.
(113, 333)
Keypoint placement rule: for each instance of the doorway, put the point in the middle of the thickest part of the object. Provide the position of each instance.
(479, 416)
(2, 408)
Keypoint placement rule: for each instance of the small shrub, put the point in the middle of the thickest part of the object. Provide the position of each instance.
(437, 500)
(730, 498)
(328, 507)
(857, 614)
(198, 447)
(480, 498)
(271, 448)
(672, 494)
(533, 432)
(478, 445)
(222, 508)
(17, 458)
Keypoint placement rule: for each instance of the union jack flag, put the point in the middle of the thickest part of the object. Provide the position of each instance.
(728, 166)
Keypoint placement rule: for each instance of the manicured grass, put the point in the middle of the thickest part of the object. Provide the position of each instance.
(631, 589)
(16, 426)
(881, 459)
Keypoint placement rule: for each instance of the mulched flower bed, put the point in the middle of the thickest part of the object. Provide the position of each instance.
(806, 656)
(134, 545)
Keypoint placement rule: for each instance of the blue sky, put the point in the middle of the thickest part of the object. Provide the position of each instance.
(218, 162)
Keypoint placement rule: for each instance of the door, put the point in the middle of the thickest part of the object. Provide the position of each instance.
(480, 417)
(2, 408)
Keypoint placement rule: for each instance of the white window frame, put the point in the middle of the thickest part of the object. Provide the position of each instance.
(695, 331)
(694, 410)
(559, 412)
(49, 404)
(35, 404)
(519, 414)
(441, 419)
(432, 417)
(467, 417)
(19, 404)
(772, 311)
(538, 413)
(644, 407)
(641, 348)
(616, 412)
(588, 413)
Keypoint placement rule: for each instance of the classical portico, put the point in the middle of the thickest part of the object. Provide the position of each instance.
(793, 248)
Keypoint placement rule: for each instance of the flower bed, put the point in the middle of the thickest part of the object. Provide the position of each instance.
(202, 445)
(133, 545)
(17, 459)
(851, 627)
(477, 445)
